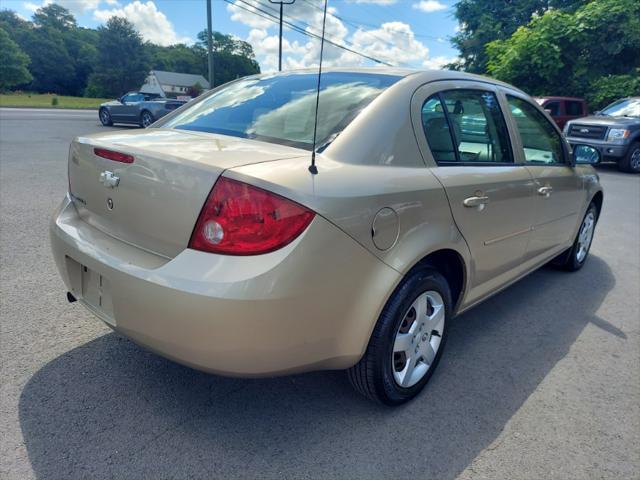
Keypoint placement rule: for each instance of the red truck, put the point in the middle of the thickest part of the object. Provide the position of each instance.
(563, 109)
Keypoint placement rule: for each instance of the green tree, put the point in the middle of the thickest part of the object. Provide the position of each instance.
(175, 58)
(570, 53)
(122, 63)
(54, 16)
(482, 21)
(232, 57)
(51, 66)
(13, 68)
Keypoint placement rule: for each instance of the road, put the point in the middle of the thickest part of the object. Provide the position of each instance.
(541, 381)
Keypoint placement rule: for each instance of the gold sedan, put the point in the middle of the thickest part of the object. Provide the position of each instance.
(208, 239)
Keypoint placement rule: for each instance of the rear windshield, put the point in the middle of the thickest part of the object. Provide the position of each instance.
(281, 108)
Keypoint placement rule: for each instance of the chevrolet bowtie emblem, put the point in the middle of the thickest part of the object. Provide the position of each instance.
(109, 180)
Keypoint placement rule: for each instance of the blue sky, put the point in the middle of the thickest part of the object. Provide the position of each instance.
(412, 33)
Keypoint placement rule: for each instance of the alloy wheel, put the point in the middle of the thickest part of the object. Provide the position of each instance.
(585, 236)
(418, 339)
(146, 119)
(634, 162)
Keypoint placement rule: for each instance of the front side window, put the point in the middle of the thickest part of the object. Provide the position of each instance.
(133, 98)
(541, 142)
(281, 108)
(466, 126)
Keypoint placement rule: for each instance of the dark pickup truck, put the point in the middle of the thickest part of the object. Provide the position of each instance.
(614, 131)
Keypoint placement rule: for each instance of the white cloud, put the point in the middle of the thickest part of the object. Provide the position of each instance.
(437, 63)
(429, 6)
(31, 6)
(252, 18)
(377, 2)
(74, 6)
(152, 24)
(392, 42)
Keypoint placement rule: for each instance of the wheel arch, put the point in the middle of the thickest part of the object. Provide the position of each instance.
(597, 200)
(451, 265)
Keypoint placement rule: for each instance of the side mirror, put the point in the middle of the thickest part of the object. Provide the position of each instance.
(121, 99)
(585, 155)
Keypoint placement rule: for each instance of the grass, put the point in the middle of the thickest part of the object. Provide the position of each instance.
(46, 100)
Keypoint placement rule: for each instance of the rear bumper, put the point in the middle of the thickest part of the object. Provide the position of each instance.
(311, 305)
(607, 150)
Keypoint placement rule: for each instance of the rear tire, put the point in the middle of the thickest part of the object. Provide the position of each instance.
(407, 341)
(631, 161)
(105, 117)
(574, 258)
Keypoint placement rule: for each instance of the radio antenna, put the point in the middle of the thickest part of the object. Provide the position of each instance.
(312, 168)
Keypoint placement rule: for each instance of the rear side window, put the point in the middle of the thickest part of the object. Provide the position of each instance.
(436, 129)
(574, 109)
(541, 141)
(553, 108)
(466, 126)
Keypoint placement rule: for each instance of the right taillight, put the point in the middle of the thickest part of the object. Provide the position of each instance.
(240, 219)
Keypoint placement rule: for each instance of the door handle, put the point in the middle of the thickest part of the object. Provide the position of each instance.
(545, 191)
(475, 201)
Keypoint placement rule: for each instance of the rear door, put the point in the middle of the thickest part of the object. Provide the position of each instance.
(558, 189)
(461, 126)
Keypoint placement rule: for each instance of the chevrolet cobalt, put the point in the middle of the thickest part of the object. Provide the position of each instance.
(208, 238)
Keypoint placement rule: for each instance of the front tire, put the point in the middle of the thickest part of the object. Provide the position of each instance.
(631, 161)
(146, 119)
(574, 258)
(105, 117)
(407, 341)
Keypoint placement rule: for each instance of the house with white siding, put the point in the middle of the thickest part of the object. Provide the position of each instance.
(172, 84)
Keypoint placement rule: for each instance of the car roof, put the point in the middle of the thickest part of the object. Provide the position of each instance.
(557, 97)
(423, 76)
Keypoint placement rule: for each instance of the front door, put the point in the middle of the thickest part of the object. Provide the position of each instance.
(558, 189)
(127, 111)
(491, 196)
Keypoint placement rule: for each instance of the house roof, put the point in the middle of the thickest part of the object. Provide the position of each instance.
(180, 79)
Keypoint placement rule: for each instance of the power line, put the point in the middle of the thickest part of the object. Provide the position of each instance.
(358, 23)
(268, 16)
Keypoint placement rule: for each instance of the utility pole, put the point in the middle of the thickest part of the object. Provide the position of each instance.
(282, 3)
(209, 44)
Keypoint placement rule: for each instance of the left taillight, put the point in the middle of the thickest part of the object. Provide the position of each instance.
(113, 155)
(241, 219)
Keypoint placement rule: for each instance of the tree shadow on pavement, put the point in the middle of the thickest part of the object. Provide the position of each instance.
(109, 409)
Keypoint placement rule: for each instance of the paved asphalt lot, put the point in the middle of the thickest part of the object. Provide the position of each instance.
(542, 381)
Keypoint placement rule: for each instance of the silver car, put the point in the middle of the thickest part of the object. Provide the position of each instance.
(137, 108)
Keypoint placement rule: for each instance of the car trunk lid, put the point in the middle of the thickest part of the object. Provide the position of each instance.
(154, 201)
